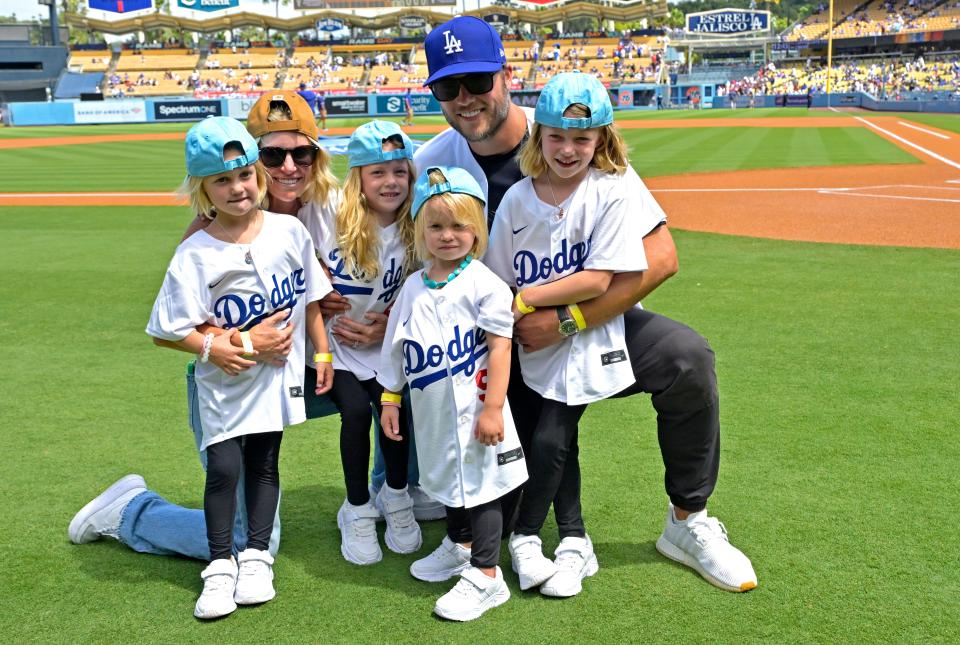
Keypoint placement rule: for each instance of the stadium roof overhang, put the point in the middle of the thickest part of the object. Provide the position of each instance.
(720, 44)
(535, 17)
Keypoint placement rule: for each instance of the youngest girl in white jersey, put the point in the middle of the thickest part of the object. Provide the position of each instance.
(368, 249)
(558, 237)
(246, 266)
(448, 339)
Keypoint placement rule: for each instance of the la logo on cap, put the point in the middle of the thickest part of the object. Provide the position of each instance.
(453, 45)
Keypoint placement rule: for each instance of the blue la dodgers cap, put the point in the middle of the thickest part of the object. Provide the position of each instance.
(458, 181)
(563, 90)
(463, 45)
(205, 143)
(366, 144)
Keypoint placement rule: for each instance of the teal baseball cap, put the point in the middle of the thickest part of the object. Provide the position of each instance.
(206, 141)
(366, 144)
(458, 181)
(563, 90)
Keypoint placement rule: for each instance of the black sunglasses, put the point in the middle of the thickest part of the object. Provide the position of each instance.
(448, 88)
(273, 157)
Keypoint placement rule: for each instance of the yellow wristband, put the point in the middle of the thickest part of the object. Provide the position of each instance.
(577, 316)
(246, 342)
(390, 397)
(321, 357)
(523, 307)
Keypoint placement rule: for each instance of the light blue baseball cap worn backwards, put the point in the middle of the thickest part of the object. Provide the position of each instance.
(464, 45)
(366, 144)
(206, 141)
(563, 90)
(458, 181)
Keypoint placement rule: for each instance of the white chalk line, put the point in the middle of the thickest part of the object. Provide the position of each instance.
(58, 195)
(918, 128)
(929, 153)
(851, 191)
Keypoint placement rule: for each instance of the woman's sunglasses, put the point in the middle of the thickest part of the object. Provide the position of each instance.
(273, 157)
(448, 88)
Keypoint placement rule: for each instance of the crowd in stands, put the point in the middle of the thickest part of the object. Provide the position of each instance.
(879, 18)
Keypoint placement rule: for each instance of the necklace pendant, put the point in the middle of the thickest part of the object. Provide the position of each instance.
(248, 258)
(560, 213)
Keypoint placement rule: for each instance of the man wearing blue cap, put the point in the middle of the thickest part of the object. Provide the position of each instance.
(468, 75)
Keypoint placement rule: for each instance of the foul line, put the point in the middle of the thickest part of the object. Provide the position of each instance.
(929, 153)
(914, 199)
(915, 127)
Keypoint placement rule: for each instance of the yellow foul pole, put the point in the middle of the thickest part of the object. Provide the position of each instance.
(829, 53)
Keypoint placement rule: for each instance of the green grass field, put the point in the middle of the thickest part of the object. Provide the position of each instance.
(838, 370)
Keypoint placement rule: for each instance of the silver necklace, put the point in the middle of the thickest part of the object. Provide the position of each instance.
(560, 212)
(246, 258)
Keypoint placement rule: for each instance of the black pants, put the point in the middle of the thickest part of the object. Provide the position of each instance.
(353, 398)
(258, 456)
(676, 365)
(482, 526)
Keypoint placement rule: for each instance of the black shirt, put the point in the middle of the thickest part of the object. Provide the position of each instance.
(502, 172)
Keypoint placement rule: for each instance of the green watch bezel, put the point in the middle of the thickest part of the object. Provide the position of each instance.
(568, 326)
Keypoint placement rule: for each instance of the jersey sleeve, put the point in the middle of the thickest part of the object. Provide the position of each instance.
(500, 247)
(494, 307)
(390, 374)
(179, 307)
(615, 242)
(646, 211)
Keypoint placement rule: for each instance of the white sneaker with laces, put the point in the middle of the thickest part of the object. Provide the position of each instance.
(425, 508)
(101, 517)
(219, 582)
(474, 594)
(701, 543)
(373, 495)
(254, 578)
(528, 561)
(575, 561)
(403, 532)
(358, 531)
(446, 561)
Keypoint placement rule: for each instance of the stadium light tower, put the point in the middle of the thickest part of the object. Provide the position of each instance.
(829, 51)
(54, 27)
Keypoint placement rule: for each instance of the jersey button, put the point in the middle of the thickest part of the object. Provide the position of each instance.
(463, 419)
(467, 459)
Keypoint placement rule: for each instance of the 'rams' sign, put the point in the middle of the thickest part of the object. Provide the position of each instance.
(728, 22)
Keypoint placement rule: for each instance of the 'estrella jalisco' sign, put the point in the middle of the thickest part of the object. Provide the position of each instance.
(208, 5)
(728, 22)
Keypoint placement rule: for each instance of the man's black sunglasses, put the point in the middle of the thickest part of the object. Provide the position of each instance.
(273, 157)
(448, 88)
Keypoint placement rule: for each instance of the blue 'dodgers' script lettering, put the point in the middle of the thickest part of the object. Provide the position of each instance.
(463, 351)
(235, 312)
(392, 279)
(531, 269)
(342, 281)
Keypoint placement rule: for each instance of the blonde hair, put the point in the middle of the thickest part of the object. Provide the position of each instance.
(465, 209)
(610, 155)
(192, 189)
(322, 181)
(357, 228)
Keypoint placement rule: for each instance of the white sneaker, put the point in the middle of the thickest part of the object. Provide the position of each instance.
(425, 508)
(446, 561)
(219, 582)
(403, 532)
(358, 530)
(254, 578)
(701, 543)
(373, 495)
(474, 594)
(528, 561)
(575, 561)
(101, 517)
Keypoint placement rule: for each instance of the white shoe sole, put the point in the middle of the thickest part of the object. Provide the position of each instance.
(495, 600)
(347, 555)
(590, 569)
(440, 576)
(395, 546)
(529, 582)
(80, 523)
(675, 553)
(255, 600)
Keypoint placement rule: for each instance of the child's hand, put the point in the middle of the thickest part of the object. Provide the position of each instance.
(227, 357)
(517, 315)
(489, 429)
(390, 422)
(324, 378)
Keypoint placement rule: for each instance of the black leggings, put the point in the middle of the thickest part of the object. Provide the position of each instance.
(257, 456)
(480, 525)
(353, 398)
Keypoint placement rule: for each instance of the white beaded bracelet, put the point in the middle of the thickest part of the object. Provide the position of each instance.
(207, 345)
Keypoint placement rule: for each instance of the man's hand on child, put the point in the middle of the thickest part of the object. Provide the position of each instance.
(333, 303)
(273, 344)
(227, 357)
(390, 422)
(489, 429)
(324, 378)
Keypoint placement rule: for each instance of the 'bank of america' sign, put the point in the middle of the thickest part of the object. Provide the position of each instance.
(728, 22)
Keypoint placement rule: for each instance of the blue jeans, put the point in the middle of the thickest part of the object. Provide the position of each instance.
(151, 524)
(379, 473)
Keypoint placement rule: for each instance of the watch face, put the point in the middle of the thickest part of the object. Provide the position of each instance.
(568, 327)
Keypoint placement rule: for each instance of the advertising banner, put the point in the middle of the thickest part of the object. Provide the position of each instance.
(109, 112)
(394, 104)
(208, 5)
(497, 20)
(329, 24)
(412, 22)
(185, 110)
(728, 22)
(120, 6)
(340, 105)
